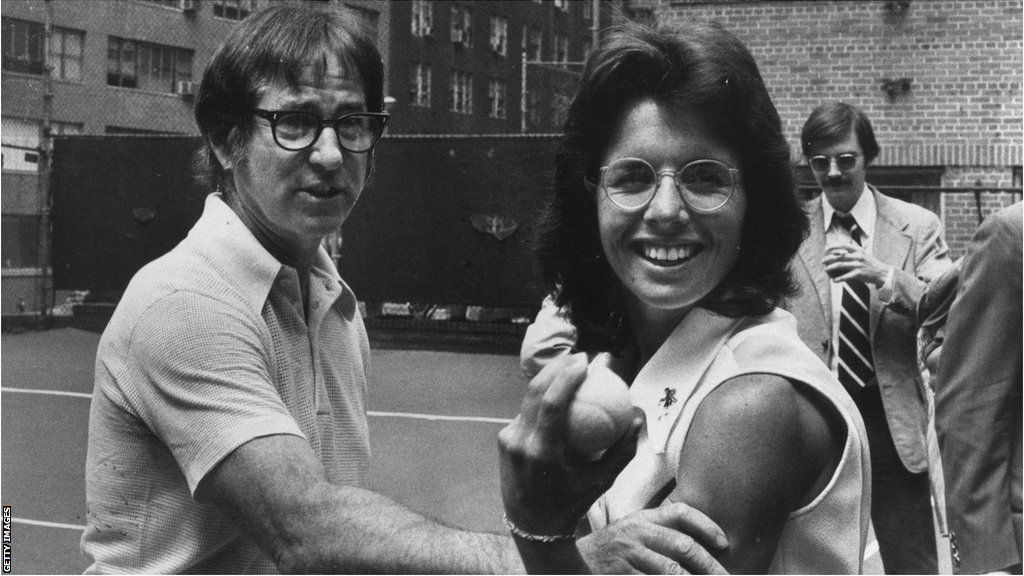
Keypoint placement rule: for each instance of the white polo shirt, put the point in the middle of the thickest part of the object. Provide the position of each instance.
(210, 348)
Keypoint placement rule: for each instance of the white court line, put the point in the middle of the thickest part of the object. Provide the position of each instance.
(47, 392)
(483, 419)
(439, 417)
(47, 524)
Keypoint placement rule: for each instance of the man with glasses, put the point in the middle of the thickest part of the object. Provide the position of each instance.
(228, 428)
(862, 271)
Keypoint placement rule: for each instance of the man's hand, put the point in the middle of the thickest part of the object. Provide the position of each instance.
(847, 262)
(671, 539)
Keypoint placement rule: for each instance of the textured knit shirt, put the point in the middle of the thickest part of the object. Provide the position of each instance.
(828, 535)
(209, 348)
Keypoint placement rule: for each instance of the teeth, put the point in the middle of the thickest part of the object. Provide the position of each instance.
(668, 254)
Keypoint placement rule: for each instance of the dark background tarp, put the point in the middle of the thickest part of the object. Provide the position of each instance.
(425, 231)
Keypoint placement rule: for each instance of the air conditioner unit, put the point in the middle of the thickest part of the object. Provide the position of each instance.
(188, 6)
(458, 36)
(185, 88)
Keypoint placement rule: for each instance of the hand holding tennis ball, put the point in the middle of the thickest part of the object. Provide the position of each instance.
(601, 411)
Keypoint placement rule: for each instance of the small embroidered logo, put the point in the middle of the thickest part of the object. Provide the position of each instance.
(669, 399)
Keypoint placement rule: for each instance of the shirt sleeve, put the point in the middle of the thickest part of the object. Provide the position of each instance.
(550, 336)
(199, 375)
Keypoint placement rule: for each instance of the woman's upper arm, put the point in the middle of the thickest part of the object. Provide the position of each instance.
(759, 447)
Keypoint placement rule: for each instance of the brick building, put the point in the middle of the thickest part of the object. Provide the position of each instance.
(940, 80)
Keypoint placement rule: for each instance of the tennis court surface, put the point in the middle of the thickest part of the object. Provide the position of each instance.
(434, 417)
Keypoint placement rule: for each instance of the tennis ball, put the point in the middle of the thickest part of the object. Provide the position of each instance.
(601, 410)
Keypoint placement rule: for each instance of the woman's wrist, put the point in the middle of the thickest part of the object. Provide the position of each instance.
(522, 534)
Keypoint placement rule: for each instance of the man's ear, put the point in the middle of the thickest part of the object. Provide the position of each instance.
(223, 155)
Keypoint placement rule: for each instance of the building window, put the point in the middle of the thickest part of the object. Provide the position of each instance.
(154, 67)
(421, 81)
(462, 26)
(588, 10)
(233, 9)
(422, 17)
(533, 43)
(588, 45)
(23, 46)
(496, 93)
(560, 49)
(23, 49)
(562, 5)
(499, 35)
(66, 53)
(462, 93)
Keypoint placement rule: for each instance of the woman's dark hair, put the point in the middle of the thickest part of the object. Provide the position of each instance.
(280, 43)
(697, 67)
(831, 122)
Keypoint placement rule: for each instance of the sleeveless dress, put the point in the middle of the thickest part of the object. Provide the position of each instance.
(828, 535)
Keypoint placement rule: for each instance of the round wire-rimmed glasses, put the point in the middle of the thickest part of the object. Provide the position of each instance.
(704, 185)
(845, 162)
(295, 130)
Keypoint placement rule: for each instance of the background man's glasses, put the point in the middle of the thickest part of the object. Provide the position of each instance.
(845, 162)
(295, 130)
(704, 185)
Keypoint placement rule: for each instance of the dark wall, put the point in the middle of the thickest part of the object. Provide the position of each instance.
(415, 235)
(118, 202)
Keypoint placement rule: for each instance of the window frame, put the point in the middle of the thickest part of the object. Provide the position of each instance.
(497, 95)
(499, 35)
(172, 63)
(422, 82)
(422, 18)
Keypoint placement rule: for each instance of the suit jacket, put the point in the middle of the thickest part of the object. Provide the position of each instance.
(978, 400)
(910, 238)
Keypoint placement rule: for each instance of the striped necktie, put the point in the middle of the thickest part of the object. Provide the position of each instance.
(856, 365)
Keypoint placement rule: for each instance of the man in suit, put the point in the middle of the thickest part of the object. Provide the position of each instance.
(978, 401)
(862, 270)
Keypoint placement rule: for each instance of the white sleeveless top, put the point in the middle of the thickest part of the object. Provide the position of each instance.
(828, 535)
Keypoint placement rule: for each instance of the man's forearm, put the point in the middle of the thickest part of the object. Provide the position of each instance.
(358, 531)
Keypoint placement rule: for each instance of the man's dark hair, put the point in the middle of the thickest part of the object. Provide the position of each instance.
(831, 122)
(280, 43)
(695, 67)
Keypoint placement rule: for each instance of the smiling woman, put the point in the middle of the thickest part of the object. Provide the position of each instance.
(667, 244)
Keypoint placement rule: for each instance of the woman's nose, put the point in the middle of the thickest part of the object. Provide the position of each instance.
(667, 203)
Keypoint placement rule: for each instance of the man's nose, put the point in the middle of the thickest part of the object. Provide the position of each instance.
(327, 150)
(833, 168)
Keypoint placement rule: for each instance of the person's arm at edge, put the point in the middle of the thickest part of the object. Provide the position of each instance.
(276, 491)
(974, 379)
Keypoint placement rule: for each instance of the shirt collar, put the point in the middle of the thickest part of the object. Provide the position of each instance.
(671, 376)
(223, 238)
(863, 212)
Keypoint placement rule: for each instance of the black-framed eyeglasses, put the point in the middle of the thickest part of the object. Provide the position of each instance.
(845, 162)
(296, 130)
(704, 185)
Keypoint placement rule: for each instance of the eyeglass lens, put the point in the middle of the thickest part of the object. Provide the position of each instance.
(844, 162)
(356, 132)
(705, 184)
